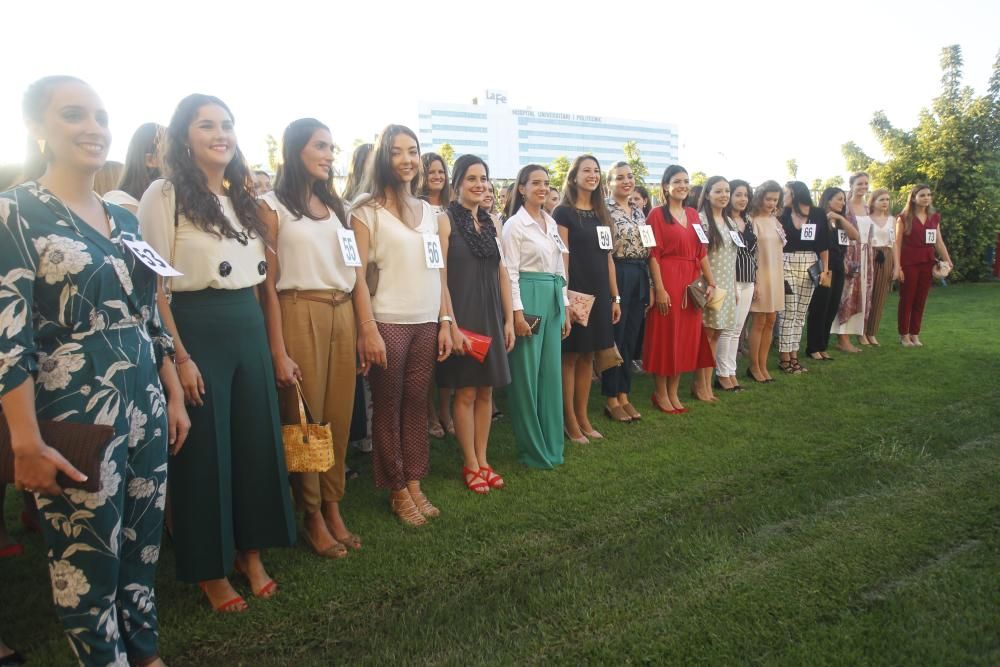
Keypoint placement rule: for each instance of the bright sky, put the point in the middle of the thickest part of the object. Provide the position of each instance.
(750, 84)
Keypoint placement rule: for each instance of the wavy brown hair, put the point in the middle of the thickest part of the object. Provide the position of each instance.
(597, 197)
(764, 189)
(194, 200)
(427, 159)
(381, 175)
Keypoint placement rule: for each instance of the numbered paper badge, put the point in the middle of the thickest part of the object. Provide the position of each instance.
(700, 231)
(737, 238)
(930, 236)
(145, 253)
(647, 236)
(604, 238)
(349, 247)
(432, 251)
(842, 237)
(559, 242)
(808, 231)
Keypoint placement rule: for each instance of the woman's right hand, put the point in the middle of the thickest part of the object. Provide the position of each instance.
(286, 371)
(371, 348)
(662, 300)
(36, 470)
(897, 273)
(191, 382)
(521, 327)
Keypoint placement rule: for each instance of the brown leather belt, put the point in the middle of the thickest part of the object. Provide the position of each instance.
(331, 297)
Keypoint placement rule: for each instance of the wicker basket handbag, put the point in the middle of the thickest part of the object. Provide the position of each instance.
(308, 445)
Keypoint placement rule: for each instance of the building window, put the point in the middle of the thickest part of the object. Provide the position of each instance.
(444, 113)
(459, 128)
(536, 134)
(525, 120)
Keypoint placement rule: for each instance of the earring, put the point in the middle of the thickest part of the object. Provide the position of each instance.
(189, 151)
(41, 146)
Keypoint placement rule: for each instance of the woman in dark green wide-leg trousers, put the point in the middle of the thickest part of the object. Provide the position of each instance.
(229, 487)
(535, 391)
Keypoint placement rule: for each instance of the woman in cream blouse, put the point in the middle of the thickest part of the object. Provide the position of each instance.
(229, 488)
(533, 251)
(307, 301)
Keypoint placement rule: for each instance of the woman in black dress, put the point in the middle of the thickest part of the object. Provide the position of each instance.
(585, 228)
(481, 300)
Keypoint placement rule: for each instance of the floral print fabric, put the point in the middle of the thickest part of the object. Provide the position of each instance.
(77, 313)
(628, 242)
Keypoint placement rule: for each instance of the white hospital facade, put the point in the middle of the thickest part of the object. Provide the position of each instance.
(508, 138)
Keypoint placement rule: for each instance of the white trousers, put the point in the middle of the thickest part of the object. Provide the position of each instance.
(729, 339)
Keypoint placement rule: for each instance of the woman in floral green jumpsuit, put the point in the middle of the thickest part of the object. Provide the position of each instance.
(80, 342)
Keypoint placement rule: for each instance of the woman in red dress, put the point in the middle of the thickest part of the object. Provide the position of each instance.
(675, 342)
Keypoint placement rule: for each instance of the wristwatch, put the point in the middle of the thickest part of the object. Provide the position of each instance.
(617, 298)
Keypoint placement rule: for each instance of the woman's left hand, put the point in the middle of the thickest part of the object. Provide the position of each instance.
(566, 327)
(444, 341)
(459, 343)
(616, 312)
(178, 424)
(508, 335)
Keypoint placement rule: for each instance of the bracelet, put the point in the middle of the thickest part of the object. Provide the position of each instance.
(445, 318)
(183, 360)
(364, 322)
(617, 298)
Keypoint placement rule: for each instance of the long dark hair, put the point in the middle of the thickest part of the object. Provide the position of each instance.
(36, 99)
(294, 182)
(462, 165)
(137, 176)
(827, 197)
(382, 177)
(597, 197)
(800, 195)
(516, 200)
(359, 167)
(733, 184)
(669, 173)
(194, 200)
(705, 207)
(646, 207)
(426, 160)
(909, 211)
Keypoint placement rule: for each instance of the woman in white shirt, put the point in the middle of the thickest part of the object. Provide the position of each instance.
(396, 231)
(436, 191)
(143, 164)
(532, 251)
(883, 238)
(229, 487)
(313, 266)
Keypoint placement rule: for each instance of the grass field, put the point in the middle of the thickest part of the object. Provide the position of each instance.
(846, 516)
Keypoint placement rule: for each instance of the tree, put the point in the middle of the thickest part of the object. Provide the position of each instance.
(792, 166)
(833, 182)
(447, 154)
(557, 172)
(699, 178)
(634, 159)
(955, 149)
(273, 159)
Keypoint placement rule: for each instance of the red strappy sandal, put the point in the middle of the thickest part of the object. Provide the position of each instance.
(475, 481)
(495, 481)
(235, 605)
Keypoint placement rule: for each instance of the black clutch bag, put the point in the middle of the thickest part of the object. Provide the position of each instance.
(815, 273)
(81, 444)
(534, 322)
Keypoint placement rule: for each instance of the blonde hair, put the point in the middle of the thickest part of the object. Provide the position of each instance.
(875, 195)
(107, 178)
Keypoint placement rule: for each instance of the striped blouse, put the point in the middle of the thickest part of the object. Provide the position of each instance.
(746, 258)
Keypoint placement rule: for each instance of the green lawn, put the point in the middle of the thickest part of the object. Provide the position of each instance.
(846, 516)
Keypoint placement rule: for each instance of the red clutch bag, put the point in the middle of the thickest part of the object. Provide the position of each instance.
(479, 344)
